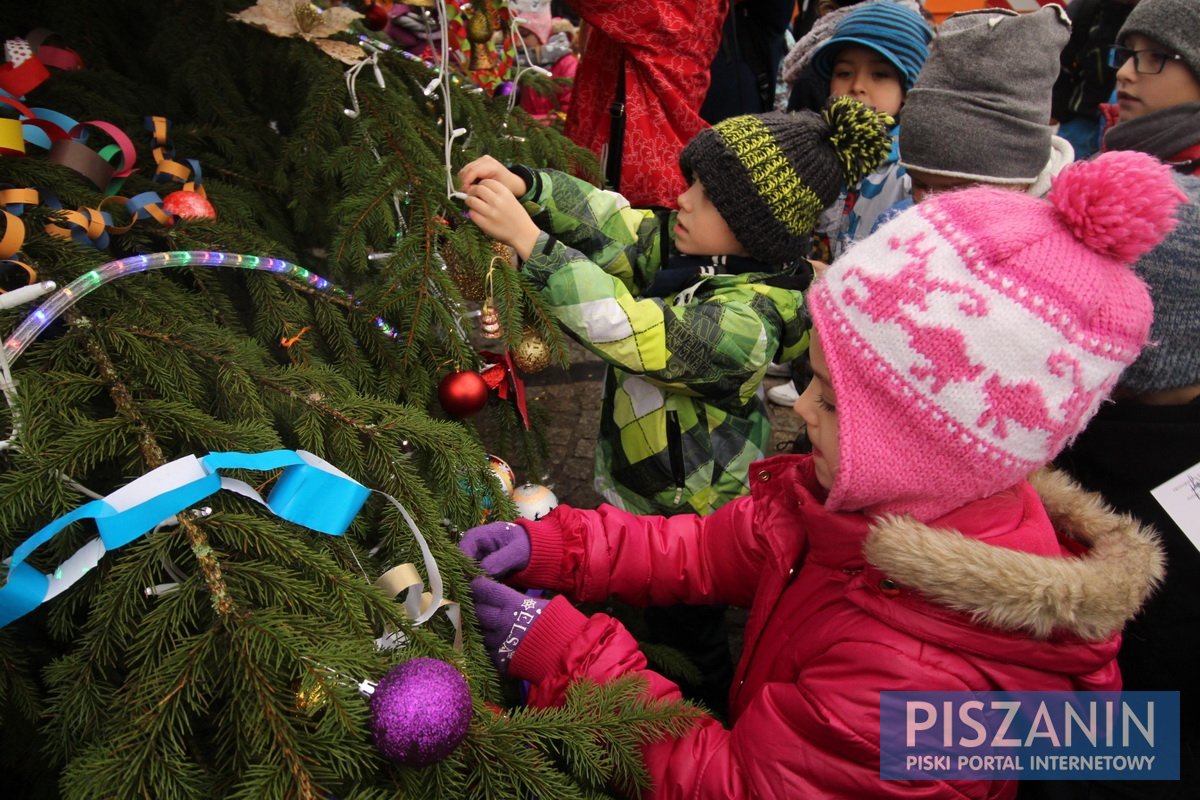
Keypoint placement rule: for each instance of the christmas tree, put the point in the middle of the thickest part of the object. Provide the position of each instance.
(273, 263)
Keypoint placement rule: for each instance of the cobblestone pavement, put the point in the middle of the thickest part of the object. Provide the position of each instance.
(572, 398)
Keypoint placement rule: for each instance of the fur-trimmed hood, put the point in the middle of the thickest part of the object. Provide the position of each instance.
(1091, 596)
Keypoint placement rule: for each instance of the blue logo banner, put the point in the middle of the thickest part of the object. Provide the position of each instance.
(1029, 735)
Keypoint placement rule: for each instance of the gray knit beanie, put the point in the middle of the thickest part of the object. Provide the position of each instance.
(1175, 24)
(771, 175)
(980, 109)
(1172, 271)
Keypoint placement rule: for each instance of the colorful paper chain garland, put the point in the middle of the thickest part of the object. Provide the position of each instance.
(310, 492)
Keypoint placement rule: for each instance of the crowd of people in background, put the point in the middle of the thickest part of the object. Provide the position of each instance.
(976, 244)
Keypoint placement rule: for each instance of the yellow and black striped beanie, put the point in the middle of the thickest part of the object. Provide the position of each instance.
(771, 175)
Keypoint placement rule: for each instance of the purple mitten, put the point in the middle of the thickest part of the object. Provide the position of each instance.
(499, 547)
(505, 616)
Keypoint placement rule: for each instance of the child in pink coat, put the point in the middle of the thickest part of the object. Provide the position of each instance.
(552, 50)
(919, 547)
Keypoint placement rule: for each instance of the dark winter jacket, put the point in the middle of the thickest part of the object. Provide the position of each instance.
(1127, 450)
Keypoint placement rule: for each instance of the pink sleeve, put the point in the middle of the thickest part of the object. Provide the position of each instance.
(816, 736)
(565, 68)
(647, 560)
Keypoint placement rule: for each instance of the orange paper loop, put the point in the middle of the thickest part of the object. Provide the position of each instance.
(31, 275)
(14, 235)
(88, 220)
(158, 130)
(172, 170)
(161, 217)
(21, 197)
(94, 222)
(63, 215)
(114, 228)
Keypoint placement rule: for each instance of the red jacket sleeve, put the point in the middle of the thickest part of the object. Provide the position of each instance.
(648, 560)
(814, 737)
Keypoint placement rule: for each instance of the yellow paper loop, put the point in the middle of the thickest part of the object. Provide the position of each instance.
(12, 141)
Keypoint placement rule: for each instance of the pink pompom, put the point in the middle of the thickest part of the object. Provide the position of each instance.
(1120, 204)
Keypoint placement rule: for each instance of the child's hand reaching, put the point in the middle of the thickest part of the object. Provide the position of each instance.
(499, 214)
(504, 616)
(499, 547)
(486, 167)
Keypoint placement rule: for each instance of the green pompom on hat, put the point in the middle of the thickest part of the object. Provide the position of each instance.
(772, 175)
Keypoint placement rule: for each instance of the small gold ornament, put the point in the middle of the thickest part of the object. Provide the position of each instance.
(503, 251)
(489, 321)
(531, 354)
(479, 34)
(468, 281)
(307, 16)
(312, 699)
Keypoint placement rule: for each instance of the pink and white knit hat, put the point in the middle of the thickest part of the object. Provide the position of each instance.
(973, 336)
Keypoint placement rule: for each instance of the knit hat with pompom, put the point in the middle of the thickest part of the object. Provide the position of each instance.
(974, 335)
(771, 175)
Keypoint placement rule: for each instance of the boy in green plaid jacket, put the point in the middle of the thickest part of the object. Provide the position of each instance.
(687, 307)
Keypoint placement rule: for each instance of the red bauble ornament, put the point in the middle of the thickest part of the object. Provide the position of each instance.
(189, 204)
(375, 17)
(463, 394)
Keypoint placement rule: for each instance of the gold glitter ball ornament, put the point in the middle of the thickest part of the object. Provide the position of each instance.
(531, 354)
(505, 252)
(469, 282)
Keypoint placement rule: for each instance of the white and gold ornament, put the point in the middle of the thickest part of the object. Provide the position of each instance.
(533, 501)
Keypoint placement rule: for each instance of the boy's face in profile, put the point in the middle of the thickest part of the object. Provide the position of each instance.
(1139, 94)
(868, 77)
(700, 230)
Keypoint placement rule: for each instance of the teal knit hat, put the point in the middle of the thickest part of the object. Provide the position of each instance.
(896, 32)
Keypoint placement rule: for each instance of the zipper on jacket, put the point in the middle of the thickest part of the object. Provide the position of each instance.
(675, 453)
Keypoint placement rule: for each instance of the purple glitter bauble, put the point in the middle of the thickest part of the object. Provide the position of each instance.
(421, 712)
(504, 89)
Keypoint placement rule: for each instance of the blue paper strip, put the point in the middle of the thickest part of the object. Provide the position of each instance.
(309, 492)
(38, 137)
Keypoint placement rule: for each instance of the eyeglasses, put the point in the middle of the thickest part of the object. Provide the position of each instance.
(1145, 62)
